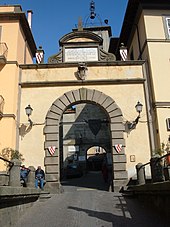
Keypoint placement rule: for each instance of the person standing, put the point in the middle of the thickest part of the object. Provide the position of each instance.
(39, 177)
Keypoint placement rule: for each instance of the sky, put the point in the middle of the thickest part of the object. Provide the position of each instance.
(52, 19)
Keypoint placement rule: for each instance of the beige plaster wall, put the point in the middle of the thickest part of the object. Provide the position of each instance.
(9, 87)
(134, 47)
(20, 45)
(160, 64)
(7, 9)
(67, 74)
(29, 57)
(125, 96)
(154, 23)
(16, 42)
(141, 32)
(142, 27)
(9, 91)
(8, 136)
(163, 114)
(23, 51)
(156, 52)
(10, 37)
(159, 52)
(13, 36)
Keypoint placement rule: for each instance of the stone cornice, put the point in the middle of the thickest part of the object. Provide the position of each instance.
(7, 115)
(162, 104)
(80, 34)
(12, 63)
(78, 82)
(75, 64)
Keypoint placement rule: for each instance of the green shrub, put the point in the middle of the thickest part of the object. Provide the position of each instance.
(9, 154)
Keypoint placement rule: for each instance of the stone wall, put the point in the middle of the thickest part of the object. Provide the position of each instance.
(14, 202)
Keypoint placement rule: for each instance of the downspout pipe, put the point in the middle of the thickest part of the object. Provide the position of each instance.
(149, 110)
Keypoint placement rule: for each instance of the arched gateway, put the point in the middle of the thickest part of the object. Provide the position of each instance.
(52, 134)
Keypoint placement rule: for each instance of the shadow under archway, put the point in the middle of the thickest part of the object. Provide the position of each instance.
(84, 147)
(92, 180)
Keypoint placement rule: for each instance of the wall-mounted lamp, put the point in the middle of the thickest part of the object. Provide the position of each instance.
(132, 125)
(28, 111)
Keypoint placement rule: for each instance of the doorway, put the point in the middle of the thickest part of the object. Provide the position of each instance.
(85, 131)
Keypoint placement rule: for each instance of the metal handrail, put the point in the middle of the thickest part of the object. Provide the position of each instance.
(11, 163)
(164, 156)
(157, 172)
(159, 158)
(6, 160)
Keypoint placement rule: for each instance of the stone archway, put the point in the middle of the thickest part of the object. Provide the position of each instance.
(52, 127)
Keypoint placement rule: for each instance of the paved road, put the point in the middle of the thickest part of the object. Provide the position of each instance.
(85, 204)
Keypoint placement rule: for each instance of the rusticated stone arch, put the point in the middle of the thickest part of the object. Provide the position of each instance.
(52, 128)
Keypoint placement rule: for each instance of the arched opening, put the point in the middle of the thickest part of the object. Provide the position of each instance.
(95, 158)
(83, 126)
(97, 122)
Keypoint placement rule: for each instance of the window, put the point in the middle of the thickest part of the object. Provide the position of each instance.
(71, 109)
(166, 20)
(168, 124)
(168, 25)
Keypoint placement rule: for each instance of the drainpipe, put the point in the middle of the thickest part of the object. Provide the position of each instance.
(149, 109)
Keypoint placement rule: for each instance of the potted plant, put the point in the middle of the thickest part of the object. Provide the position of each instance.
(160, 151)
(157, 164)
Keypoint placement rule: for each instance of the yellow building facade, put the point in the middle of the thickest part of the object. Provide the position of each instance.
(17, 47)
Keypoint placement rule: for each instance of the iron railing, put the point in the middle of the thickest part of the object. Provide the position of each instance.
(158, 172)
(6, 160)
(158, 159)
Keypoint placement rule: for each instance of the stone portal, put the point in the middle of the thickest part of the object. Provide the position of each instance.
(53, 130)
